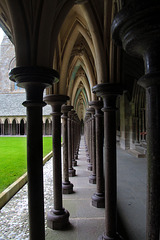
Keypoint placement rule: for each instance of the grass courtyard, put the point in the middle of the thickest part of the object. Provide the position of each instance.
(13, 158)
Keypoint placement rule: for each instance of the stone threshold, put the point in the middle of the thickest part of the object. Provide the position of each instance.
(9, 192)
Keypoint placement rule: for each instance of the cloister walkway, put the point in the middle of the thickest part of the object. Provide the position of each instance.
(86, 221)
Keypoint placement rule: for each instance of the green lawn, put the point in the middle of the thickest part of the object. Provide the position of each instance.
(13, 158)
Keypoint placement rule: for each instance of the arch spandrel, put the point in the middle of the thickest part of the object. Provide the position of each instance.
(31, 29)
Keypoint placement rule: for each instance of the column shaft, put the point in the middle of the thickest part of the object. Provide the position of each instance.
(35, 171)
(109, 93)
(67, 187)
(57, 171)
(58, 217)
(153, 156)
(98, 199)
(110, 173)
(34, 80)
(71, 169)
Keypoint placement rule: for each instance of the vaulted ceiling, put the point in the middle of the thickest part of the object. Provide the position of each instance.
(73, 37)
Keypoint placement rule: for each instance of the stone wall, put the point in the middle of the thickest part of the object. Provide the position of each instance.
(7, 56)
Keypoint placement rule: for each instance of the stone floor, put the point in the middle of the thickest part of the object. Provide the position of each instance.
(86, 221)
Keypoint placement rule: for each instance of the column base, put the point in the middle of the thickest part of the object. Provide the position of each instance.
(105, 237)
(57, 219)
(89, 167)
(76, 156)
(98, 200)
(72, 172)
(67, 187)
(92, 179)
(74, 162)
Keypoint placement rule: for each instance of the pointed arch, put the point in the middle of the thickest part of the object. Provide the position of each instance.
(6, 127)
(67, 51)
(14, 127)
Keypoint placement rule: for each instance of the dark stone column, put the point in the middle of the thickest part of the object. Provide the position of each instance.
(98, 199)
(77, 136)
(72, 171)
(92, 177)
(58, 217)
(109, 93)
(72, 114)
(34, 80)
(67, 186)
(87, 134)
(142, 39)
(89, 126)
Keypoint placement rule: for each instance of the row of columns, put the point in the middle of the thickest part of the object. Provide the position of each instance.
(58, 217)
(35, 80)
(101, 121)
(12, 129)
(141, 39)
(94, 150)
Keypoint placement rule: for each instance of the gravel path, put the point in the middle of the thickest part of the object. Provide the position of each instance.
(14, 215)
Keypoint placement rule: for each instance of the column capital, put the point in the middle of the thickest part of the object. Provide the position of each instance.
(109, 93)
(106, 89)
(56, 101)
(136, 28)
(137, 25)
(33, 79)
(96, 104)
(66, 108)
(91, 111)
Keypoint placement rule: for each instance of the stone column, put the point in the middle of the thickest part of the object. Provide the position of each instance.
(72, 114)
(109, 93)
(92, 177)
(58, 217)
(77, 136)
(67, 186)
(72, 171)
(3, 128)
(86, 135)
(34, 80)
(86, 132)
(98, 199)
(142, 40)
(89, 126)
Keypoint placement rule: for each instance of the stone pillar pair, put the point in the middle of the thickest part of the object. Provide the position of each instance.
(58, 217)
(77, 136)
(142, 40)
(73, 132)
(92, 166)
(72, 171)
(98, 199)
(109, 93)
(89, 137)
(34, 80)
(75, 124)
(67, 186)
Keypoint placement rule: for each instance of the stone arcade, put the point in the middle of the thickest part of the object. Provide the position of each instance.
(81, 52)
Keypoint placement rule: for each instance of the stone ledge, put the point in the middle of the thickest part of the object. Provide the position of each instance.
(9, 192)
(136, 153)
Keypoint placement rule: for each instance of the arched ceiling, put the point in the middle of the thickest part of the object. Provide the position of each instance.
(71, 36)
(77, 60)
